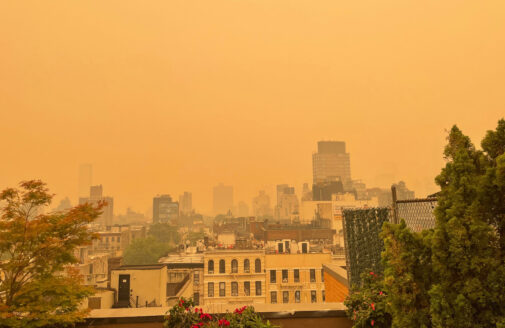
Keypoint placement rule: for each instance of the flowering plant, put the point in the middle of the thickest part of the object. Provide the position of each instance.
(366, 305)
(185, 315)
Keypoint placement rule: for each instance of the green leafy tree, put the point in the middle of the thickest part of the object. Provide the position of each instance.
(407, 275)
(468, 288)
(145, 251)
(36, 250)
(165, 233)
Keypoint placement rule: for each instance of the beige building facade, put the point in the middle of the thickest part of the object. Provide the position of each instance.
(295, 278)
(234, 277)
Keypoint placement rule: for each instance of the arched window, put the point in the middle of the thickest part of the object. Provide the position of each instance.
(221, 266)
(247, 266)
(234, 266)
(257, 265)
(211, 267)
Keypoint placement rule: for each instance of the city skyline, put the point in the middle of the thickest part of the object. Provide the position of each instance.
(157, 112)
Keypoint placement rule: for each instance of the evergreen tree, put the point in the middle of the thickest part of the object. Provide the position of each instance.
(407, 275)
(468, 278)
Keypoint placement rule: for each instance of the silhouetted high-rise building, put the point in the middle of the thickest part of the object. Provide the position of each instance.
(186, 203)
(287, 203)
(331, 162)
(222, 199)
(95, 196)
(164, 209)
(261, 205)
(85, 179)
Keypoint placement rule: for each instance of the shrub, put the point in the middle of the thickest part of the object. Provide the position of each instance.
(186, 315)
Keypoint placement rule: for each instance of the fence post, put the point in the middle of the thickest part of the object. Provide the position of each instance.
(394, 205)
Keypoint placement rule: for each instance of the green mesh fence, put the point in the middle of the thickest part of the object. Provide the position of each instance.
(362, 243)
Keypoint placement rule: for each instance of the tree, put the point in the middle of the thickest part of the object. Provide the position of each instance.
(407, 275)
(145, 251)
(37, 250)
(164, 233)
(468, 288)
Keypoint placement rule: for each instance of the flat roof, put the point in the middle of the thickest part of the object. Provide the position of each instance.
(337, 272)
(141, 267)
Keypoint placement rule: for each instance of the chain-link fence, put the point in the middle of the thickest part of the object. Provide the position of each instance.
(417, 213)
(362, 242)
(363, 246)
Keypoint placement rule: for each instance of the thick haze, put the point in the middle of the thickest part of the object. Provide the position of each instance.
(167, 96)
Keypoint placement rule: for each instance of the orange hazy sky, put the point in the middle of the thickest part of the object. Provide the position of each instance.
(174, 95)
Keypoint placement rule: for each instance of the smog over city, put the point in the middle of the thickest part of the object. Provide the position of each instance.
(171, 133)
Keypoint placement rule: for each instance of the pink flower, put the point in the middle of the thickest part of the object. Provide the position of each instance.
(373, 322)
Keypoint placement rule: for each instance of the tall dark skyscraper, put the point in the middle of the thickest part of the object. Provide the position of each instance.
(331, 163)
(164, 209)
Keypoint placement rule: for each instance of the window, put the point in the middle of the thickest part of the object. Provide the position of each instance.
(234, 266)
(222, 289)
(284, 275)
(91, 268)
(312, 275)
(258, 288)
(273, 297)
(106, 239)
(211, 289)
(196, 278)
(322, 275)
(112, 238)
(257, 265)
(297, 296)
(221, 266)
(211, 267)
(285, 297)
(247, 266)
(247, 288)
(313, 296)
(118, 239)
(323, 296)
(296, 275)
(234, 288)
(196, 298)
(273, 276)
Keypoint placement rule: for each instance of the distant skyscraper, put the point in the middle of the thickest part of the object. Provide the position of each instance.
(242, 210)
(287, 203)
(222, 199)
(261, 205)
(164, 209)
(186, 203)
(85, 179)
(331, 163)
(96, 195)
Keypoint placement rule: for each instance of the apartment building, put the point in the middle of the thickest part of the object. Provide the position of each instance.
(295, 278)
(234, 277)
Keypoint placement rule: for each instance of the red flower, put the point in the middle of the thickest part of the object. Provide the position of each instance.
(239, 311)
(373, 322)
(181, 302)
(196, 310)
(373, 306)
(223, 322)
(371, 272)
(380, 292)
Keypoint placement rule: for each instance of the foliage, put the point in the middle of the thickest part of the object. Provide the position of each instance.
(407, 275)
(185, 314)
(165, 233)
(366, 304)
(363, 244)
(145, 251)
(469, 283)
(37, 249)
